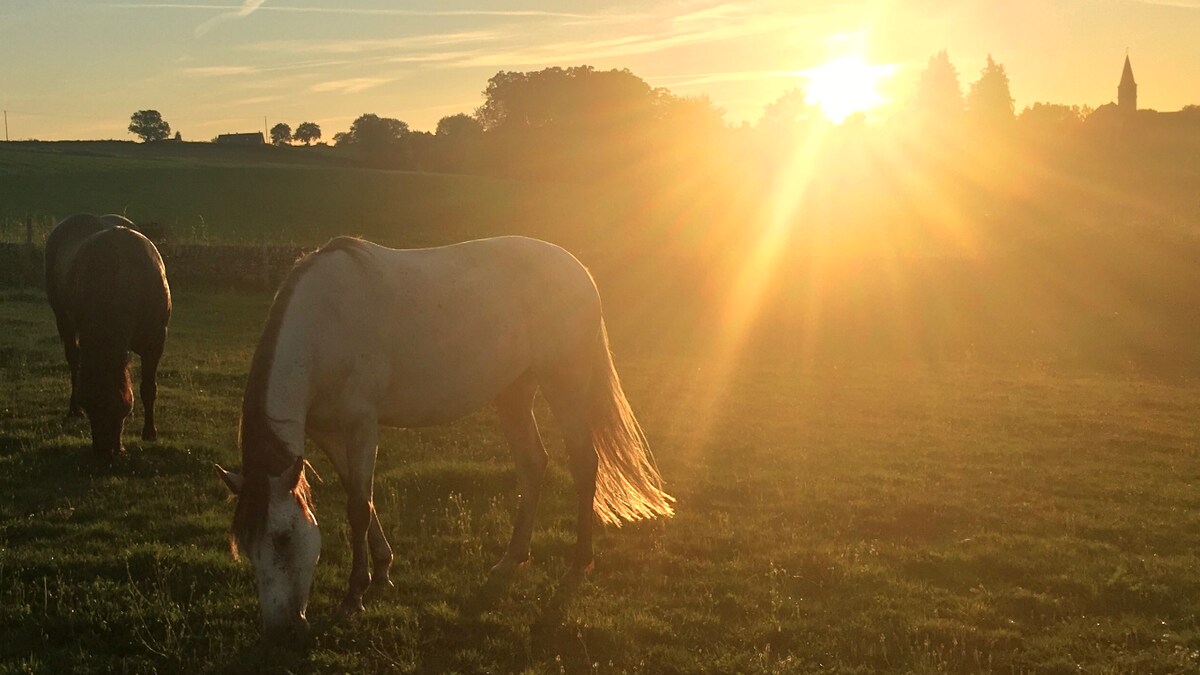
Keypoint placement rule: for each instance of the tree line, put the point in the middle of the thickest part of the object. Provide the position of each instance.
(578, 121)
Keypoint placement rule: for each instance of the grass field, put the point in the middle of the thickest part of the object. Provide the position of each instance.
(840, 515)
(204, 193)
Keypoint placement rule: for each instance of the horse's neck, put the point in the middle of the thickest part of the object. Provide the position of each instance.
(289, 385)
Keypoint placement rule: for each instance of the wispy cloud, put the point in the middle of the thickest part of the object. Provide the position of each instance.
(247, 8)
(360, 46)
(351, 85)
(234, 11)
(218, 71)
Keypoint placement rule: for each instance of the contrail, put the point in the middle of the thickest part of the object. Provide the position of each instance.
(248, 7)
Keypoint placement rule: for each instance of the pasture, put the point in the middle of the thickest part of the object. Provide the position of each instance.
(841, 514)
(978, 459)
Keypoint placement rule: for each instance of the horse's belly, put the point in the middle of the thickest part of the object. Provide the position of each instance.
(444, 397)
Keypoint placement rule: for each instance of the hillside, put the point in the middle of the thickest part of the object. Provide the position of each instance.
(203, 192)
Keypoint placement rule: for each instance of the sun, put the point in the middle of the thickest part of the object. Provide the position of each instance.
(845, 86)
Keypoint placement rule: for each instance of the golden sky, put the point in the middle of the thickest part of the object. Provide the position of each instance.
(79, 68)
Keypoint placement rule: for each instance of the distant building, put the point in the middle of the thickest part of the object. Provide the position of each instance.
(1127, 89)
(255, 138)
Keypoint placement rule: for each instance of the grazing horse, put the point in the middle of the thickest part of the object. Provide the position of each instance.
(108, 289)
(360, 335)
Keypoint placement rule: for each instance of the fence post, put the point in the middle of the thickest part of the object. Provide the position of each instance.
(30, 263)
(266, 268)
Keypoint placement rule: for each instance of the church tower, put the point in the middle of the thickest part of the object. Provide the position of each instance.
(1127, 90)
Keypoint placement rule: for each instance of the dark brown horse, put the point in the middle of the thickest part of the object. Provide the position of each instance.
(108, 289)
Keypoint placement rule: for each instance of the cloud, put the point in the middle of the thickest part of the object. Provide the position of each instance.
(218, 71)
(351, 85)
(248, 7)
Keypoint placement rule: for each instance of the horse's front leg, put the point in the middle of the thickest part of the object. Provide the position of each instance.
(336, 447)
(360, 511)
(381, 557)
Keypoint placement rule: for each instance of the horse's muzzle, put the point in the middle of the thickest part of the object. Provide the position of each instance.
(293, 633)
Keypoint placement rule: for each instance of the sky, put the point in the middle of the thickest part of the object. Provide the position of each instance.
(77, 69)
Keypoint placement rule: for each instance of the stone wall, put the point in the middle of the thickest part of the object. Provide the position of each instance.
(21, 265)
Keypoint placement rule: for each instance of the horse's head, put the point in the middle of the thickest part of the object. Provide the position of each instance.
(106, 395)
(275, 527)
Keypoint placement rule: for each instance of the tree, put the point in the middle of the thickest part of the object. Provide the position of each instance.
(371, 130)
(307, 132)
(281, 134)
(788, 112)
(149, 126)
(575, 98)
(458, 126)
(990, 99)
(939, 94)
(457, 144)
(381, 140)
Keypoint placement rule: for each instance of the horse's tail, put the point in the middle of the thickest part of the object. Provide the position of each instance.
(628, 485)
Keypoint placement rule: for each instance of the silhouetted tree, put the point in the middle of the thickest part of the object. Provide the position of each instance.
(380, 140)
(281, 134)
(307, 133)
(578, 97)
(461, 125)
(149, 125)
(457, 143)
(1054, 115)
(789, 111)
(939, 95)
(577, 120)
(989, 99)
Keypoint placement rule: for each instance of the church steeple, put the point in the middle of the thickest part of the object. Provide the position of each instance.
(1127, 90)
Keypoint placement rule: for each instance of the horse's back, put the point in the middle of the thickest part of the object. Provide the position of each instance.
(63, 244)
(445, 328)
(117, 277)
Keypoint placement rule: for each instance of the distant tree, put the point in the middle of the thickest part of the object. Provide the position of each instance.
(576, 98)
(939, 94)
(281, 134)
(1054, 114)
(788, 112)
(149, 126)
(461, 125)
(456, 144)
(307, 133)
(989, 98)
(371, 130)
(380, 140)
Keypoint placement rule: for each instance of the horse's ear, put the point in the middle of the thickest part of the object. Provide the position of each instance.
(291, 477)
(232, 480)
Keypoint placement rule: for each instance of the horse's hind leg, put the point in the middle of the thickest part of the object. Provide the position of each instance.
(566, 391)
(70, 340)
(149, 390)
(515, 408)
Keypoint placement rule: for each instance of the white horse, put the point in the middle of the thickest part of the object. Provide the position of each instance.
(360, 335)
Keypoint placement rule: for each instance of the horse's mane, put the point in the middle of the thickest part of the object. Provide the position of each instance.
(264, 453)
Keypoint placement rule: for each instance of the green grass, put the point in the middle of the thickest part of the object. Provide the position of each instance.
(208, 194)
(843, 515)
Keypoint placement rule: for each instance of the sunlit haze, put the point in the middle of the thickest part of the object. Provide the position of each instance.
(77, 69)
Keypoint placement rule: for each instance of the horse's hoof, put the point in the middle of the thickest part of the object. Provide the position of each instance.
(150, 435)
(350, 607)
(378, 589)
(507, 567)
(577, 574)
